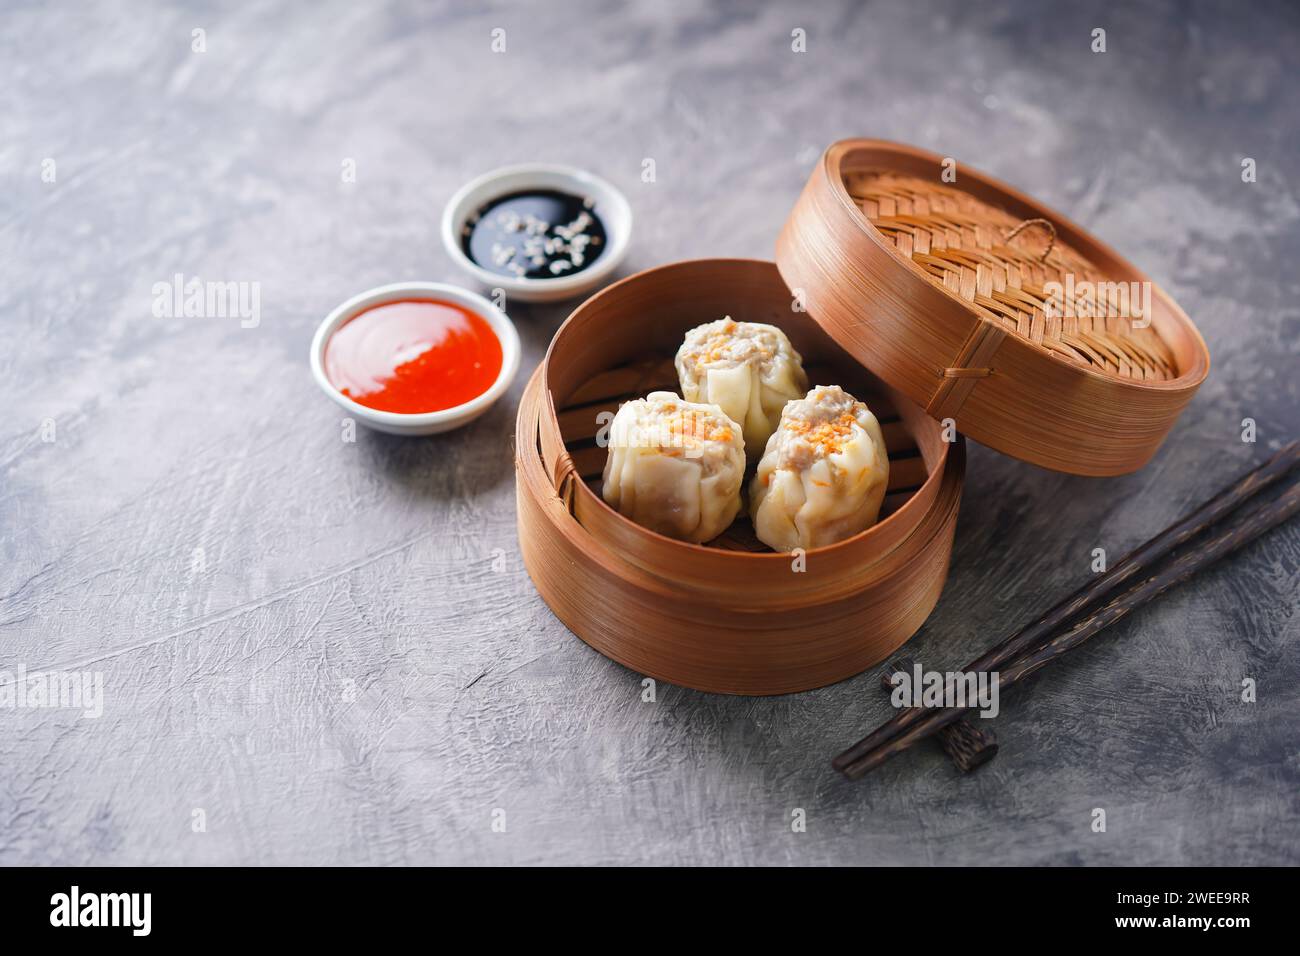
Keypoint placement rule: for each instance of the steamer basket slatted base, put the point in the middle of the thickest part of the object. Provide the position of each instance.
(730, 616)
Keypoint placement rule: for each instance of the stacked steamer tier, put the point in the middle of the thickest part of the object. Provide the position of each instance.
(890, 305)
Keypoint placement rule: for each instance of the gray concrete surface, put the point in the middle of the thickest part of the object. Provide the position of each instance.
(321, 652)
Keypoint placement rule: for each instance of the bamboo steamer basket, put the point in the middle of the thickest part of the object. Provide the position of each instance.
(943, 290)
(729, 616)
(930, 301)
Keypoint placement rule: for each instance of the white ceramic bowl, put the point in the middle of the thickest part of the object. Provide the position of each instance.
(423, 423)
(610, 205)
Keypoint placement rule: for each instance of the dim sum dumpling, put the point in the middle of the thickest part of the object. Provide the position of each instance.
(675, 467)
(747, 369)
(824, 473)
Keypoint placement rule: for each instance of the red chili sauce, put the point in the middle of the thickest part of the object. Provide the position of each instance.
(413, 356)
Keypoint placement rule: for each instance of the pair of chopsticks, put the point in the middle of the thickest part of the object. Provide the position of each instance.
(1036, 645)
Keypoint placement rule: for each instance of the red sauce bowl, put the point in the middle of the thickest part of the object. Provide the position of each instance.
(415, 358)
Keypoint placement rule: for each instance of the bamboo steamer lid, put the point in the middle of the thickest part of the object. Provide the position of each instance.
(990, 309)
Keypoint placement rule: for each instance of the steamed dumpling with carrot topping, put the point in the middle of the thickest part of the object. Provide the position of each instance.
(747, 369)
(675, 467)
(824, 473)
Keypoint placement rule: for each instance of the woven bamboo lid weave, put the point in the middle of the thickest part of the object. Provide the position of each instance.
(989, 308)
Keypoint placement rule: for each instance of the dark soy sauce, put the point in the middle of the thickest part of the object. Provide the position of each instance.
(537, 234)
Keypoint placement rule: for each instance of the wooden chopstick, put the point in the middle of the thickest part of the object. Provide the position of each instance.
(1201, 555)
(966, 745)
(1141, 558)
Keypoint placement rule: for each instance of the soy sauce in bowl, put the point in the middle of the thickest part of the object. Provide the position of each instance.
(535, 234)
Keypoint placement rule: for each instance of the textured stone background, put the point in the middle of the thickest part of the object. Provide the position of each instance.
(332, 566)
